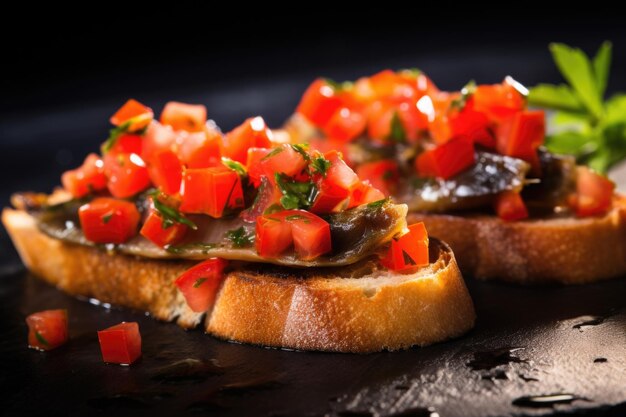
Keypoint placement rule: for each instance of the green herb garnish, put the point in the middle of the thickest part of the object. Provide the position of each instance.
(337, 86)
(41, 339)
(295, 194)
(199, 282)
(240, 237)
(320, 165)
(377, 204)
(302, 149)
(397, 133)
(274, 152)
(170, 215)
(107, 218)
(235, 166)
(584, 124)
(274, 208)
(466, 92)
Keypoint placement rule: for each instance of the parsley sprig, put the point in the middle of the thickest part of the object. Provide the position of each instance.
(584, 124)
(296, 194)
(240, 238)
(170, 215)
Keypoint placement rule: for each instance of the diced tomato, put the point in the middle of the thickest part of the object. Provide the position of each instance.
(107, 220)
(510, 206)
(521, 135)
(210, 191)
(345, 125)
(284, 159)
(498, 101)
(324, 145)
(594, 193)
(87, 178)
(474, 126)
(364, 193)
(182, 116)
(276, 232)
(335, 187)
(408, 251)
(166, 171)
(319, 102)
(383, 175)
(446, 160)
(267, 196)
(381, 118)
(127, 174)
(156, 139)
(273, 235)
(134, 112)
(127, 143)
(47, 329)
(200, 149)
(253, 133)
(253, 166)
(200, 283)
(121, 343)
(160, 233)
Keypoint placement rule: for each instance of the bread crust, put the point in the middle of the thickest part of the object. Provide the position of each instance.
(560, 250)
(295, 310)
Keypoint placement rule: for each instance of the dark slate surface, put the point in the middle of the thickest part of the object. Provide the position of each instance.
(527, 342)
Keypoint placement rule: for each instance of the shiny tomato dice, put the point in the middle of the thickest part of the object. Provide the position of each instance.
(47, 329)
(365, 193)
(283, 159)
(157, 138)
(345, 124)
(211, 191)
(319, 102)
(162, 233)
(521, 135)
(121, 343)
(382, 175)
(87, 178)
(335, 186)
(253, 165)
(253, 133)
(498, 101)
(127, 174)
(447, 159)
(182, 116)
(107, 220)
(594, 193)
(408, 251)
(166, 171)
(200, 283)
(138, 115)
(127, 143)
(510, 206)
(200, 149)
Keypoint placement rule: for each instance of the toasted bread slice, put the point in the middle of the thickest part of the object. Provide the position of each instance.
(359, 308)
(560, 250)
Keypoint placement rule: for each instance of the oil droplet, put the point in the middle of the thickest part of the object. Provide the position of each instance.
(546, 401)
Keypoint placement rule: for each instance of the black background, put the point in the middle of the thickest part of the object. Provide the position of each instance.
(66, 71)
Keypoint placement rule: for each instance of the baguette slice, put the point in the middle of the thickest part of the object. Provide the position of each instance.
(359, 308)
(561, 250)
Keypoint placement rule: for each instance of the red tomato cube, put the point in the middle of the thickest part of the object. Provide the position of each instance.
(594, 193)
(182, 116)
(107, 220)
(162, 234)
(85, 179)
(200, 283)
(121, 343)
(211, 191)
(383, 175)
(319, 102)
(253, 133)
(127, 174)
(409, 251)
(510, 206)
(47, 329)
(134, 112)
(166, 171)
(447, 159)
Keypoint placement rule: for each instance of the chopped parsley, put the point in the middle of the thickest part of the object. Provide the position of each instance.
(337, 86)
(107, 218)
(295, 194)
(170, 215)
(178, 249)
(240, 237)
(302, 149)
(320, 165)
(377, 204)
(199, 282)
(275, 152)
(297, 217)
(274, 208)
(466, 92)
(41, 339)
(235, 166)
(397, 132)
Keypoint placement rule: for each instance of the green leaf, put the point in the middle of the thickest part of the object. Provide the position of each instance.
(559, 97)
(602, 66)
(199, 282)
(295, 194)
(577, 70)
(615, 109)
(235, 166)
(320, 165)
(240, 237)
(377, 204)
(114, 135)
(41, 339)
(570, 142)
(600, 161)
(397, 133)
(302, 149)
